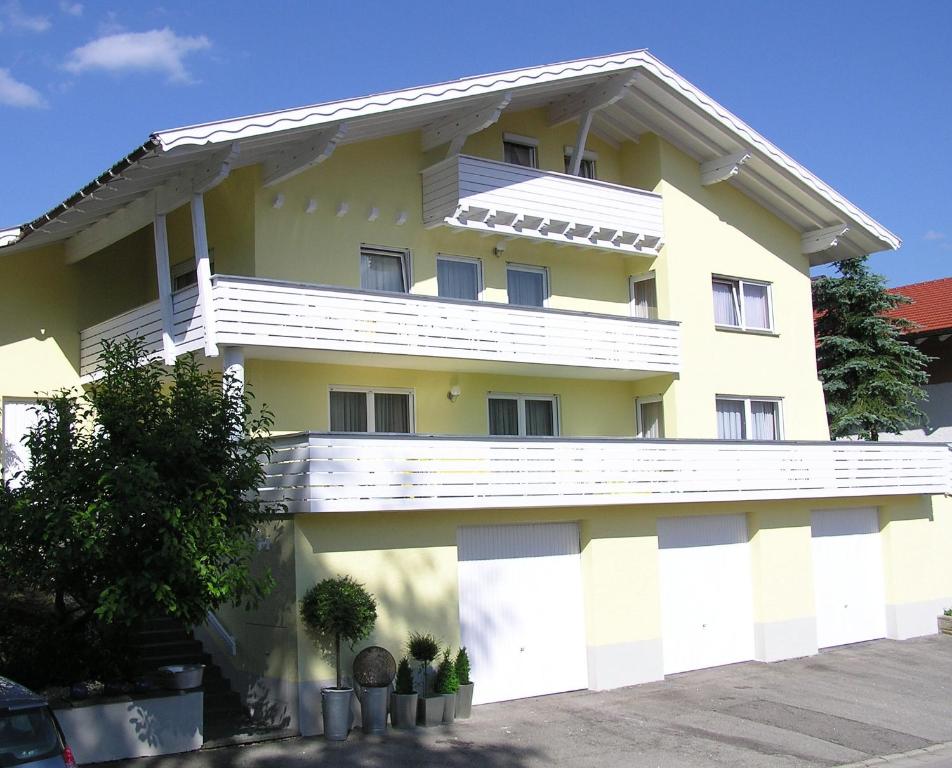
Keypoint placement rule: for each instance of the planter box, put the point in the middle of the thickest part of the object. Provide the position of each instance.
(945, 625)
(142, 726)
(464, 701)
(430, 710)
(403, 710)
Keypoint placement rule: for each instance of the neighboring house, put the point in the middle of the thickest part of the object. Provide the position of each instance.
(502, 322)
(931, 312)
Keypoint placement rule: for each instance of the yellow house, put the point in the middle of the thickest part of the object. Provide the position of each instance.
(539, 345)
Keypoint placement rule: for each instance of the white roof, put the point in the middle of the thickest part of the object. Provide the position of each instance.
(656, 100)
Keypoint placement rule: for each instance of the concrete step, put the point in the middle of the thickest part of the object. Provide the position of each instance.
(175, 648)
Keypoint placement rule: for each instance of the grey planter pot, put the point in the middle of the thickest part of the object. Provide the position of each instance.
(464, 701)
(430, 711)
(945, 625)
(338, 716)
(403, 710)
(449, 707)
(373, 709)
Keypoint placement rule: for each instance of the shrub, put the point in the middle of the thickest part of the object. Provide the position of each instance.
(339, 609)
(947, 612)
(446, 679)
(404, 683)
(423, 647)
(462, 666)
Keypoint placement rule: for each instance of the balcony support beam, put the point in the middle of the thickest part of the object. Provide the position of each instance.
(456, 128)
(584, 124)
(203, 273)
(164, 279)
(233, 365)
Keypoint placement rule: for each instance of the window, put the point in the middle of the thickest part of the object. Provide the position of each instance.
(458, 277)
(743, 304)
(525, 415)
(520, 150)
(587, 168)
(371, 410)
(384, 269)
(741, 418)
(650, 417)
(185, 273)
(644, 296)
(528, 286)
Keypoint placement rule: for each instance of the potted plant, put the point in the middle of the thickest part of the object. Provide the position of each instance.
(945, 622)
(335, 610)
(374, 669)
(423, 648)
(464, 697)
(403, 700)
(447, 684)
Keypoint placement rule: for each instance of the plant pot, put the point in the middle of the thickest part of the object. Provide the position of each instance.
(338, 716)
(464, 701)
(430, 711)
(403, 710)
(182, 677)
(945, 625)
(449, 707)
(373, 709)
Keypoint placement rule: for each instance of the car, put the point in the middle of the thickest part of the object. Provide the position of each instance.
(29, 733)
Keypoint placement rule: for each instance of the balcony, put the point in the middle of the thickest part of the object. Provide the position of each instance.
(514, 201)
(280, 319)
(315, 472)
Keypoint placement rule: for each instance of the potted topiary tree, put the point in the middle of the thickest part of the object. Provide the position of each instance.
(403, 700)
(447, 684)
(335, 610)
(464, 697)
(423, 647)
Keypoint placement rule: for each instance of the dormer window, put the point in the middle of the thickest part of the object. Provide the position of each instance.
(520, 150)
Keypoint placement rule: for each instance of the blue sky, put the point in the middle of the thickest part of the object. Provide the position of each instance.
(859, 92)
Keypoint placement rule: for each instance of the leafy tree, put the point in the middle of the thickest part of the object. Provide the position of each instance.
(872, 379)
(142, 496)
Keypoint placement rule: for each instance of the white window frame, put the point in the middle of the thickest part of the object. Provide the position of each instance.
(524, 141)
(748, 415)
(544, 271)
(639, 278)
(386, 250)
(520, 399)
(737, 284)
(371, 415)
(480, 286)
(639, 424)
(568, 152)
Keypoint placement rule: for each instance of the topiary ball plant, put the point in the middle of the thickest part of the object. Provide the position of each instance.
(423, 647)
(446, 679)
(404, 682)
(462, 666)
(341, 609)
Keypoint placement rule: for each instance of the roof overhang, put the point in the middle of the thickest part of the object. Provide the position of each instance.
(623, 95)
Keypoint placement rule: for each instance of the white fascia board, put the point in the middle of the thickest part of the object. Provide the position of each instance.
(9, 236)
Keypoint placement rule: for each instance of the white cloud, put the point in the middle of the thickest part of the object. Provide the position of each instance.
(70, 8)
(159, 50)
(933, 235)
(14, 15)
(13, 93)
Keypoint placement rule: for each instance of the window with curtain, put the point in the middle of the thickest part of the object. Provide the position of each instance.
(742, 304)
(520, 153)
(740, 418)
(526, 415)
(650, 419)
(370, 411)
(586, 169)
(384, 269)
(528, 286)
(644, 297)
(457, 278)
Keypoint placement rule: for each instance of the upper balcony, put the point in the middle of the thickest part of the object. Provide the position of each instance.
(515, 201)
(402, 330)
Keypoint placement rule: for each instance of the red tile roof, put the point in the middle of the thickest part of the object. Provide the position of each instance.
(931, 307)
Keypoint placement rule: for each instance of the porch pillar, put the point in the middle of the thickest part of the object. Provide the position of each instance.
(164, 278)
(203, 273)
(233, 364)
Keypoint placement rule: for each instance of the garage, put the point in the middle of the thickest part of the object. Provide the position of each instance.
(521, 609)
(848, 576)
(706, 593)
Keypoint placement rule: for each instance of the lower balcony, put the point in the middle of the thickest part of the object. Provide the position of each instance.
(319, 472)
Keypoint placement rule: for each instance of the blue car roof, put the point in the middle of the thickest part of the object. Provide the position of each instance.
(15, 696)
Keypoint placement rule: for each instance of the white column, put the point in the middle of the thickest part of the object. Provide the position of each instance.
(164, 278)
(580, 139)
(203, 273)
(233, 364)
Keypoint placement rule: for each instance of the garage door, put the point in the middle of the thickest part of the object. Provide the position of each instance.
(520, 606)
(848, 576)
(706, 596)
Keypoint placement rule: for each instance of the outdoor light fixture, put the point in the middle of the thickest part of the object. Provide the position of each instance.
(453, 394)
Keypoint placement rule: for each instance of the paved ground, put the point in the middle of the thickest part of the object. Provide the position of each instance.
(845, 706)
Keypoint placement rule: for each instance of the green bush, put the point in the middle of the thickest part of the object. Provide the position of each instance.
(339, 609)
(948, 611)
(446, 679)
(404, 683)
(423, 647)
(462, 666)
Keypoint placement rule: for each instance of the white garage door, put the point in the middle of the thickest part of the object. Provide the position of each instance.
(706, 596)
(520, 606)
(18, 418)
(848, 576)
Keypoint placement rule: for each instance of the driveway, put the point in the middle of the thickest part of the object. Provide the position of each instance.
(846, 705)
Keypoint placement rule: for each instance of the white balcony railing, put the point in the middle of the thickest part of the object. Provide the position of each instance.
(344, 473)
(486, 195)
(252, 312)
(145, 322)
